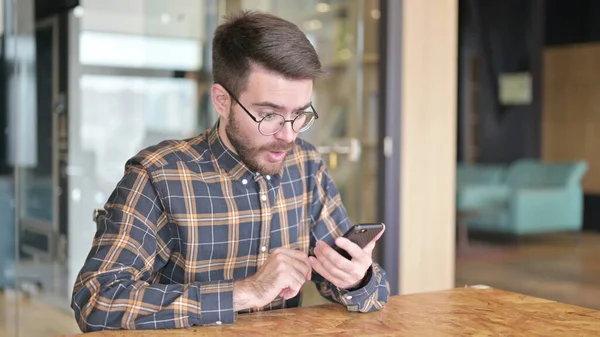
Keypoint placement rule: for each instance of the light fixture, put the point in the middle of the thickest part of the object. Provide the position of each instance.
(375, 14)
(345, 54)
(78, 12)
(312, 25)
(165, 18)
(323, 7)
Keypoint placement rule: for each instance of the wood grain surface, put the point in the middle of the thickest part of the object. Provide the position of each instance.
(460, 311)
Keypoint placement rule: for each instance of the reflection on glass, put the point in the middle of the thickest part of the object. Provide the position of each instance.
(118, 117)
(121, 115)
(138, 51)
(113, 115)
(344, 34)
(347, 96)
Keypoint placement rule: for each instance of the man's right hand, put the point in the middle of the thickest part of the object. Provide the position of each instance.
(283, 275)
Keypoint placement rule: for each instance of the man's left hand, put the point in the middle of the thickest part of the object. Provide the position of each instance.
(341, 272)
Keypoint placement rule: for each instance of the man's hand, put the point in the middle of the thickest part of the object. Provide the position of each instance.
(341, 272)
(282, 275)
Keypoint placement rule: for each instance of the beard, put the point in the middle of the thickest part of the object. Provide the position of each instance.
(249, 154)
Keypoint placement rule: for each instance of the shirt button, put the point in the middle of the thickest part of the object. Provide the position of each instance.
(268, 177)
(263, 249)
(263, 197)
(244, 181)
(349, 297)
(218, 322)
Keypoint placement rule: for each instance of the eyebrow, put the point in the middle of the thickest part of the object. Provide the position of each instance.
(279, 107)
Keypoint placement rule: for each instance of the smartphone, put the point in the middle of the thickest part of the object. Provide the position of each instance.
(360, 234)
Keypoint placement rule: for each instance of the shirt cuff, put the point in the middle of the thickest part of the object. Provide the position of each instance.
(216, 303)
(355, 297)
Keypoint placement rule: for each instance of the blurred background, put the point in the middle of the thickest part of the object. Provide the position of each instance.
(86, 84)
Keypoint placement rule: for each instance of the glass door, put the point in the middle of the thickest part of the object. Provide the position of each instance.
(36, 284)
(137, 77)
(38, 179)
(345, 35)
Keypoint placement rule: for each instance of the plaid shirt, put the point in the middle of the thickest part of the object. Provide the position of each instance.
(188, 218)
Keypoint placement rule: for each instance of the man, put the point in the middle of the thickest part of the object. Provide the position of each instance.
(202, 229)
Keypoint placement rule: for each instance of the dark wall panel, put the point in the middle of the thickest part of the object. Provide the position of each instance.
(504, 35)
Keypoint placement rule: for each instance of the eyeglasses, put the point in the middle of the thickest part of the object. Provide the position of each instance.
(273, 122)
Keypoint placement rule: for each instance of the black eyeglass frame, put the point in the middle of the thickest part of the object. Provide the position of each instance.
(314, 111)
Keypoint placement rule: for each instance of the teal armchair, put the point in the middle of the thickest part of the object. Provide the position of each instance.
(478, 186)
(534, 198)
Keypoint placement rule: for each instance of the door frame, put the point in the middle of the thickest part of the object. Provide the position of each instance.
(35, 225)
(390, 70)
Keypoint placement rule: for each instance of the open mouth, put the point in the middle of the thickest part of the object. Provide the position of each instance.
(276, 156)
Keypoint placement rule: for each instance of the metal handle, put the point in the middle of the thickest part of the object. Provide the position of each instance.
(350, 147)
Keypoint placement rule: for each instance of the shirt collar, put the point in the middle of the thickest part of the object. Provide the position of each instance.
(231, 162)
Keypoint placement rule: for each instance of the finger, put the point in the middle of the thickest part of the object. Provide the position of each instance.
(289, 282)
(302, 265)
(352, 248)
(369, 248)
(332, 268)
(288, 293)
(301, 270)
(298, 256)
(318, 267)
(371, 245)
(324, 251)
(295, 282)
(293, 276)
(356, 268)
(378, 236)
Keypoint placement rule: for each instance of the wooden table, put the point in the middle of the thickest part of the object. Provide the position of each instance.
(456, 312)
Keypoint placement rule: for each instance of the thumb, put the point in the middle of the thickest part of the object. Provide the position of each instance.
(369, 248)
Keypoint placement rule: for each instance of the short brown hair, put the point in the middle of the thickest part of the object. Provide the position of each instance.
(254, 38)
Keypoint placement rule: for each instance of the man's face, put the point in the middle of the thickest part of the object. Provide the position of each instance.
(266, 93)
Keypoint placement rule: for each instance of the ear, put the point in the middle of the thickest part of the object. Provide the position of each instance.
(220, 100)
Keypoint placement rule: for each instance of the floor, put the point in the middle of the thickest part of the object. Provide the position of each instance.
(24, 317)
(553, 267)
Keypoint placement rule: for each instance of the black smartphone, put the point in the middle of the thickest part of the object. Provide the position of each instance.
(361, 234)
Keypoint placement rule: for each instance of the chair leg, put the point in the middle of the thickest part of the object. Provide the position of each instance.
(463, 236)
(577, 238)
(519, 239)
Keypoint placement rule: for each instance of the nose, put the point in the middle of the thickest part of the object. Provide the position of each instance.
(286, 134)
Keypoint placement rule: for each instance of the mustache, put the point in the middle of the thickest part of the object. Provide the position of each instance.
(278, 147)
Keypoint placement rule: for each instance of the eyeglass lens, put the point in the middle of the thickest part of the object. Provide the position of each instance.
(274, 122)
